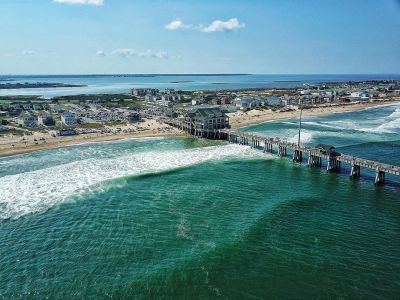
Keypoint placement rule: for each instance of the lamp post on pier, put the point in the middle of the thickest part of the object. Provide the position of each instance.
(301, 113)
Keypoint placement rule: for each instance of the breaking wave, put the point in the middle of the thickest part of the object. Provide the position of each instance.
(306, 137)
(39, 190)
(389, 124)
(322, 124)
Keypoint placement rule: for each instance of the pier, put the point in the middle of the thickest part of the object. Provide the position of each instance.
(315, 155)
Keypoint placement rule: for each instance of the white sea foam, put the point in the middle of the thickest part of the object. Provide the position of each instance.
(322, 124)
(395, 114)
(306, 137)
(389, 124)
(40, 190)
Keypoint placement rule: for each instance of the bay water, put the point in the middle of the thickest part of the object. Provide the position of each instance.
(102, 84)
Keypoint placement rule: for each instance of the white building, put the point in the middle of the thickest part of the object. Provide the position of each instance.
(68, 118)
(359, 96)
(28, 120)
(248, 102)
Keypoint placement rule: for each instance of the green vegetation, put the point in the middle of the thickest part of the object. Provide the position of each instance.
(182, 105)
(20, 98)
(13, 132)
(116, 123)
(95, 97)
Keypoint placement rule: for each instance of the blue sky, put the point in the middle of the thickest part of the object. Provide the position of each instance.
(192, 36)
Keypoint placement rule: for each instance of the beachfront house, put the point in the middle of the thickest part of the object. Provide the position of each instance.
(68, 118)
(46, 119)
(207, 118)
(248, 102)
(67, 132)
(273, 101)
(28, 120)
(359, 96)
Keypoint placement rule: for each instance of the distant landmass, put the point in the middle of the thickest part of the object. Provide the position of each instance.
(36, 85)
(182, 81)
(115, 75)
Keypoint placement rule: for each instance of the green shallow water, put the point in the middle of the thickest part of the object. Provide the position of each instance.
(212, 221)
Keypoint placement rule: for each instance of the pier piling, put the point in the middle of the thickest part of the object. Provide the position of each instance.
(315, 156)
(355, 171)
(380, 177)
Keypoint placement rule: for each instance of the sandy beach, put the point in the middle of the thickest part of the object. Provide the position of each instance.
(13, 145)
(242, 119)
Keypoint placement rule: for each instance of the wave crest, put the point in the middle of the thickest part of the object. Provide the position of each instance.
(40, 190)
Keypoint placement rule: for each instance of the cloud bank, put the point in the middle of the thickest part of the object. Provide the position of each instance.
(232, 24)
(82, 2)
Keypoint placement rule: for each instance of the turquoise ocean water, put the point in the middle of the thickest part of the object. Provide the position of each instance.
(180, 218)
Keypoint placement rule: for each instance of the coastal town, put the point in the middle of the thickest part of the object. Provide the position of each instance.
(31, 123)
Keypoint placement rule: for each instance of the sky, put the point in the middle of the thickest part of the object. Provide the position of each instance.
(207, 36)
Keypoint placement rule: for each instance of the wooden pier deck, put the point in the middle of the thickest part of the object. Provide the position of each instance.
(315, 155)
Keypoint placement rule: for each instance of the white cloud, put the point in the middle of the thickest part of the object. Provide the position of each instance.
(177, 24)
(232, 24)
(223, 26)
(100, 53)
(128, 52)
(28, 52)
(83, 2)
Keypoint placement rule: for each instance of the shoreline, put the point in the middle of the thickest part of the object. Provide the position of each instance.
(238, 120)
(78, 140)
(256, 117)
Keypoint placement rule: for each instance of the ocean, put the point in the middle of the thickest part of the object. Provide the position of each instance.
(186, 218)
(102, 84)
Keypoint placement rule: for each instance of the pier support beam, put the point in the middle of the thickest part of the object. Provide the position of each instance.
(380, 177)
(314, 161)
(297, 156)
(282, 151)
(355, 171)
(267, 146)
(333, 165)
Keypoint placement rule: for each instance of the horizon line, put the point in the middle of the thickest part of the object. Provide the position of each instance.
(186, 74)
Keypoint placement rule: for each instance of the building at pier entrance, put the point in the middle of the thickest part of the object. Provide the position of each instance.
(207, 118)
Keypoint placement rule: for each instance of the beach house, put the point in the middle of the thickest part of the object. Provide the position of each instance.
(28, 120)
(46, 119)
(248, 102)
(68, 118)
